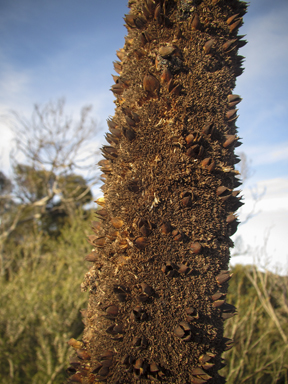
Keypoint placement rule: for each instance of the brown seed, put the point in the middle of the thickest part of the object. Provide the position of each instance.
(208, 45)
(208, 129)
(138, 314)
(166, 228)
(218, 303)
(129, 133)
(228, 44)
(195, 24)
(77, 378)
(218, 295)
(100, 241)
(117, 67)
(112, 311)
(169, 269)
(232, 98)
(166, 51)
(83, 354)
(92, 257)
(230, 113)
(102, 213)
(150, 83)
(223, 191)
(231, 218)
(154, 367)
(232, 18)
(157, 14)
(76, 344)
(195, 152)
(230, 140)
(147, 289)
(104, 371)
(117, 222)
(198, 371)
(223, 276)
(120, 54)
(176, 90)
(187, 201)
(141, 243)
(166, 76)
(234, 26)
(192, 313)
(196, 248)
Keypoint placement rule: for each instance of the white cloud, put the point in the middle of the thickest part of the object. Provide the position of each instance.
(267, 153)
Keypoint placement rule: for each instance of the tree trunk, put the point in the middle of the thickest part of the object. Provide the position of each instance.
(159, 278)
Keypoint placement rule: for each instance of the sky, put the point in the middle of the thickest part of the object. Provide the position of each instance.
(65, 48)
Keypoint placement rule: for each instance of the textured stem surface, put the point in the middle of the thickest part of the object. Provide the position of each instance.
(161, 250)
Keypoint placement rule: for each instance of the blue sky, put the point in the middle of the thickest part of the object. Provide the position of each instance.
(65, 48)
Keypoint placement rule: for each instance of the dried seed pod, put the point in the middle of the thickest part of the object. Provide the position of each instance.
(183, 331)
(166, 228)
(117, 67)
(192, 314)
(129, 133)
(218, 295)
(112, 312)
(166, 51)
(228, 45)
(150, 83)
(92, 257)
(140, 342)
(230, 113)
(218, 303)
(138, 314)
(232, 18)
(223, 277)
(158, 14)
(234, 26)
(117, 222)
(195, 24)
(141, 242)
(102, 213)
(208, 45)
(166, 76)
(208, 164)
(196, 248)
(83, 354)
(195, 152)
(208, 129)
(76, 378)
(76, 344)
(197, 380)
(230, 140)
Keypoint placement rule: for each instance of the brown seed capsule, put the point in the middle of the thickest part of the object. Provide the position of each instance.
(187, 201)
(195, 24)
(92, 257)
(196, 248)
(218, 303)
(208, 45)
(166, 76)
(140, 342)
(141, 242)
(157, 14)
(112, 312)
(154, 367)
(223, 276)
(150, 83)
(223, 191)
(230, 139)
(232, 98)
(231, 218)
(229, 44)
(83, 354)
(208, 164)
(109, 152)
(76, 378)
(166, 228)
(76, 344)
(149, 291)
(120, 54)
(117, 89)
(218, 295)
(192, 314)
(208, 129)
(129, 133)
(111, 139)
(232, 18)
(166, 51)
(230, 113)
(195, 152)
(234, 26)
(102, 213)
(117, 67)
(138, 314)
(100, 242)
(176, 90)
(117, 222)
(169, 269)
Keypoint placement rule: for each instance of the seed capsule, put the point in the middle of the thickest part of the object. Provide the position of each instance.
(112, 312)
(208, 45)
(129, 133)
(83, 354)
(195, 24)
(166, 76)
(166, 51)
(196, 248)
(228, 44)
(230, 113)
(141, 243)
(157, 14)
(223, 276)
(117, 67)
(166, 228)
(150, 83)
(230, 140)
(234, 26)
(138, 314)
(76, 344)
(232, 18)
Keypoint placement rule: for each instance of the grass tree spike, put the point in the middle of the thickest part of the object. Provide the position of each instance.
(160, 274)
